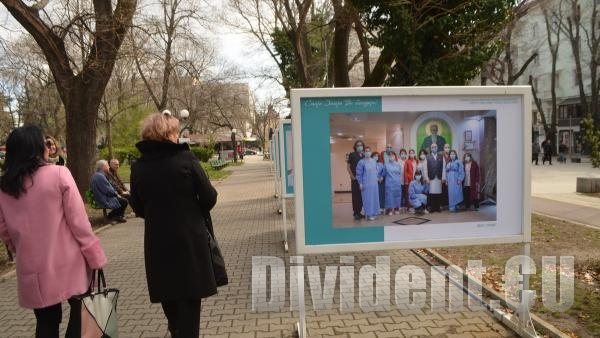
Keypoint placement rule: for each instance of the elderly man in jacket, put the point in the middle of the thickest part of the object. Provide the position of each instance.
(105, 195)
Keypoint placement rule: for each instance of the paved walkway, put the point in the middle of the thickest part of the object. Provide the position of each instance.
(247, 225)
(553, 192)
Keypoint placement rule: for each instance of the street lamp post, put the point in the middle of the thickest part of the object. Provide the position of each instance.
(183, 116)
(233, 145)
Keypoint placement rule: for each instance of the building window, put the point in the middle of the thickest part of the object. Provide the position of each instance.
(562, 112)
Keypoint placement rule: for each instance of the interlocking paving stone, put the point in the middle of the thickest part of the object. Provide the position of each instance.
(247, 224)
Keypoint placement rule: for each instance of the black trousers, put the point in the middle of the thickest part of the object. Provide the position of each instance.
(434, 201)
(444, 202)
(535, 158)
(357, 203)
(120, 211)
(49, 319)
(467, 198)
(183, 317)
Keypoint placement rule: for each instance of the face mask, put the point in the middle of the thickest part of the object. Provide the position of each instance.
(418, 177)
(468, 158)
(447, 150)
(403, 156)
(388, 149)
(376, 159)
(367, 154)
(412, 155)
(433, 150)
(422, 157)
(452, 157)
(359, 148)
(390, 160)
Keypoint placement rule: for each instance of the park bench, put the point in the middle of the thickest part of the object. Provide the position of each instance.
(89, 198)
(218, 164)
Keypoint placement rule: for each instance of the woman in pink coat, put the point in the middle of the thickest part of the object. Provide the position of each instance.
(43, 221)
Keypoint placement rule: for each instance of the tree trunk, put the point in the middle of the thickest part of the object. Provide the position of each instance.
(81, 112)
(341, 37)
(109, 141)
(233, 147)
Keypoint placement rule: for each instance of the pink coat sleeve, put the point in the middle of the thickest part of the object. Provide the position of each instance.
(78, 221)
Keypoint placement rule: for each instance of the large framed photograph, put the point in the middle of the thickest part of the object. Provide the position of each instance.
(380, 168)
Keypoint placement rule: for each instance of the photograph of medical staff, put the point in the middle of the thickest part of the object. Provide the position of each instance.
(417, 167)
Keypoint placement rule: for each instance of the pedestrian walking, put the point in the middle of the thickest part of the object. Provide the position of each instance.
(173, 195)
(535, 152)
(548, 152)
(44, 222)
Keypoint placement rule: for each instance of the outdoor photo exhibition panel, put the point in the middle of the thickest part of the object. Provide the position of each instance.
(489, 124)
(286, 174)
(286, 158)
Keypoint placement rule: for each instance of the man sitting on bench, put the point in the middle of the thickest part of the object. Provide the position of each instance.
(105, 195)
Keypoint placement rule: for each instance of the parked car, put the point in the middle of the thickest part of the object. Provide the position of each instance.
(250, 152)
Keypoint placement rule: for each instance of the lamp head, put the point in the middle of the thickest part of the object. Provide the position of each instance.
(184, 114)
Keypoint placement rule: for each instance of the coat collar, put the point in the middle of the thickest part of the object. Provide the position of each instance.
(151, 149)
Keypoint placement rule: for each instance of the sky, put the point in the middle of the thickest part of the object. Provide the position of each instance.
(235, 49)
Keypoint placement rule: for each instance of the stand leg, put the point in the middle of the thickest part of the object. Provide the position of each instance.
(301, 324)
(285, 236)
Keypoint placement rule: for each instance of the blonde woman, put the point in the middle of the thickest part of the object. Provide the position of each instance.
(54, 151)
(173, 195)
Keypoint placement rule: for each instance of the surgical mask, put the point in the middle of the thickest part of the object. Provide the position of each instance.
(376, 159)
(452, 157)
(422, 157)
(367, 154)
(388, 149)
(359, 148)
(468, 158)
(390, 160)
(403, 156)
(433, 150)
(418, 177)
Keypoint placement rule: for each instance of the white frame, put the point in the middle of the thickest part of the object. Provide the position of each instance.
(282, 157)
(524, 92)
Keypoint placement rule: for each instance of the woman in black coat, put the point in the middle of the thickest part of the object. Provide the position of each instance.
(172, 193)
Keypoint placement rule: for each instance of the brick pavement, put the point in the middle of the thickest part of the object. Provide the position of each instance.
(247, 225)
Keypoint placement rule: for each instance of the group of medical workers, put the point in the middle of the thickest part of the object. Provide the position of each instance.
(385, 183)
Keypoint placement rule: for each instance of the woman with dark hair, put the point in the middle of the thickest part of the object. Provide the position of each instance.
(352, 161)
(377, 157)
(54, 151)
(417, 193)
(455, 174)
(54, 246)
(393, 185)
(410, 166)
(173, 195)
(471, 184)
(367, 175)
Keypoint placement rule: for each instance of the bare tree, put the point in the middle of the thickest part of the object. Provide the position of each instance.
(265, 119)
(31, 87)
(80, 89)
(229, 106)
(160, 45)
